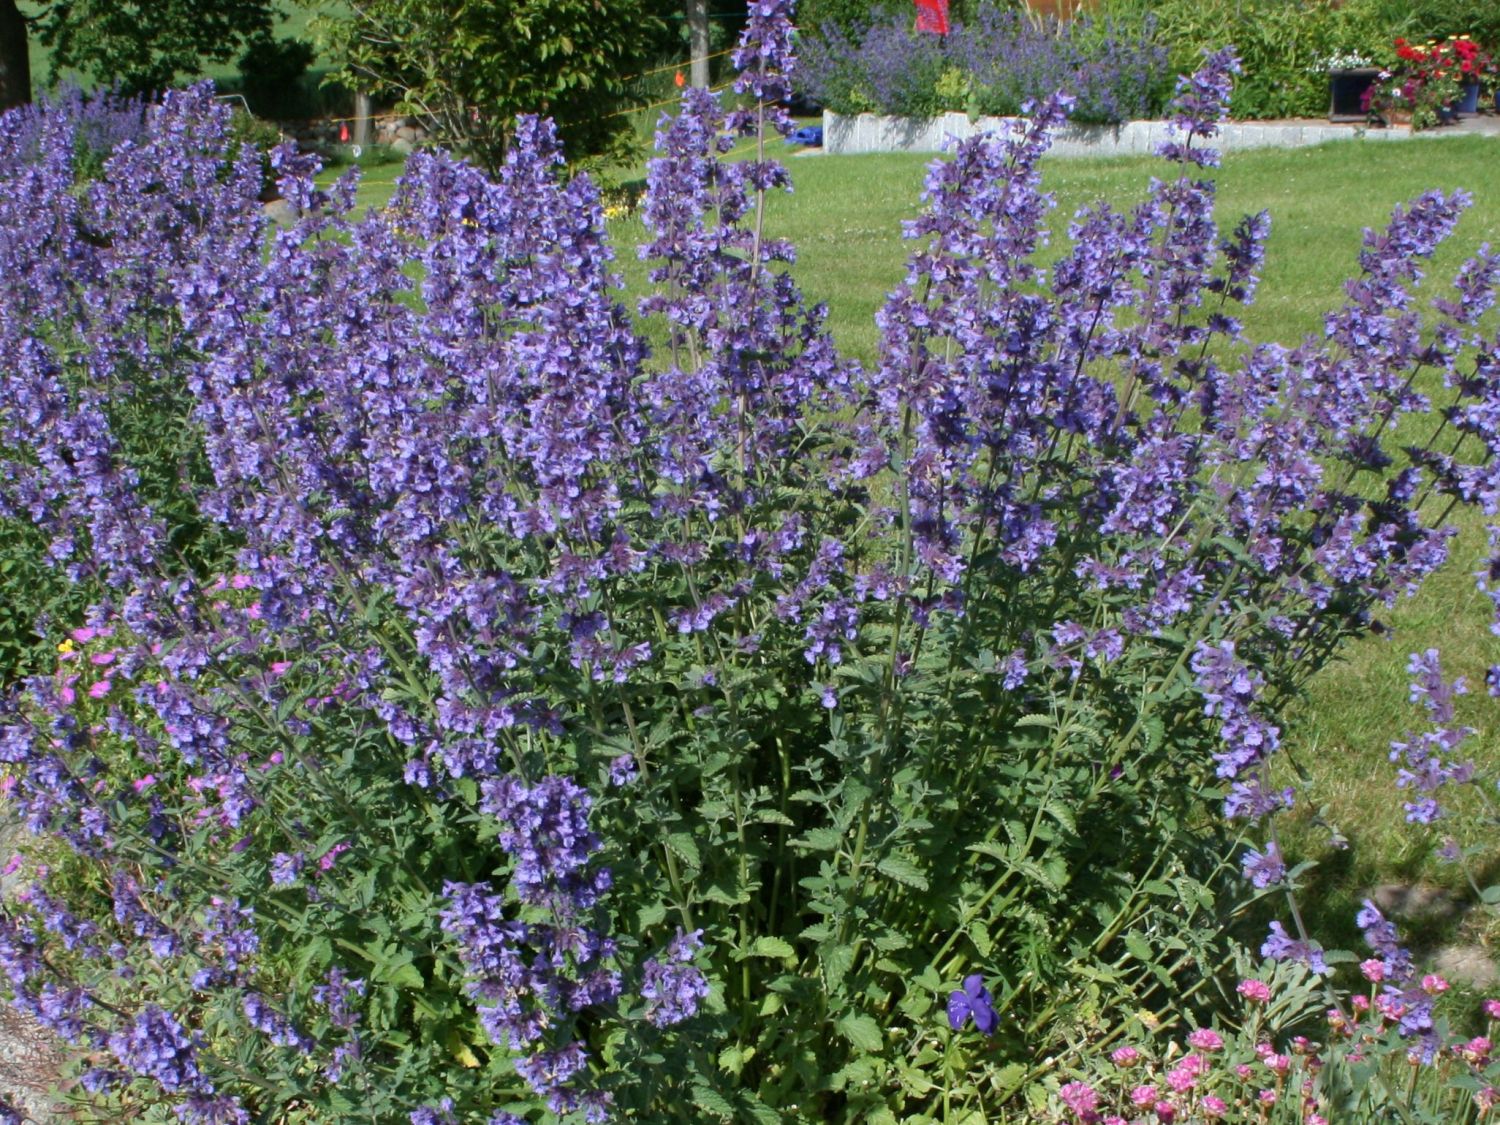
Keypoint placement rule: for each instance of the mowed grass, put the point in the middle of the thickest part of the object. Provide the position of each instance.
(845, 218)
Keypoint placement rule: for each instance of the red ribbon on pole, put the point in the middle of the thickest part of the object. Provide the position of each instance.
(932, 15)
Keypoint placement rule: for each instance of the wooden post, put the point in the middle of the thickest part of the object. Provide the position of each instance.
(362, 120)
(697, 19)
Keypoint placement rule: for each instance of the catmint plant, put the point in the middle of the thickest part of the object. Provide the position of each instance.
(498, 704)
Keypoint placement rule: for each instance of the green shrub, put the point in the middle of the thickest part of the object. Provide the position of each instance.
(1284, 47)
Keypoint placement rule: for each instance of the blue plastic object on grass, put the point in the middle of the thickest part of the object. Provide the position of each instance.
(807, 135)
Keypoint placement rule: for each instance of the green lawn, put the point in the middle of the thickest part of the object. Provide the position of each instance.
(845, 217)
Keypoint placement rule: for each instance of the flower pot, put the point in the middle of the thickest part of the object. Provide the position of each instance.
(1468, 102)
(1348, 92)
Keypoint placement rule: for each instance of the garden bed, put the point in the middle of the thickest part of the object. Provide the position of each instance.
(869, 132)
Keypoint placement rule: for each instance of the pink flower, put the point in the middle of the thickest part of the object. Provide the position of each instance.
(83, 634)
(1129, 1056)
(100, 689)
(1373, 969)
(1476, 1050)
(102, 658)
(1390, 1007)
(1434, 984)
(1244, 1071)
(240, 582)
(1181, 1080)
(333, 853)
(279, 667)
(1316, 1119)
(66, 693)
(12, 865)
(1205, 1039)
(1279, 1063)
(1166, 1112)
(1080, 1097)
(141, 784)
(1143, 1095)
(1267, 1097)
(1492, 1009)
(1213, 1107)
(1359, 1003)
(1256, 991)
(1195, 1064)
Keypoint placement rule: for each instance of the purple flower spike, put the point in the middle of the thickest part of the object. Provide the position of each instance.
(973, 1002)
(1201, 102)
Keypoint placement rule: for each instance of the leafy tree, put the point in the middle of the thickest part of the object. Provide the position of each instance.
(468, 67)
(141, 44)
(15, 65)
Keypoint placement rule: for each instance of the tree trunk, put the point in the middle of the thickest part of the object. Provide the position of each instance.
(15, 64)
(697, 20)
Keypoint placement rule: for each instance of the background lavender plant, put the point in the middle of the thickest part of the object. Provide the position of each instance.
(564, 728)
(1000, 61)
(1116, 70)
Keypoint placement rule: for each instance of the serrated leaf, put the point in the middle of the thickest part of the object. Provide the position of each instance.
(1139, 947)
(711, 1101)
(1035, 720)
(836, 961)
(732, 1059)
(685, 848)
(820, 839)
(774, 816)
(861, 1031)
(980, 936)
(903, 871)
(774, 947)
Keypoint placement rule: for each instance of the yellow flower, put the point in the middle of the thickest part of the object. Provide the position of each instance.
(66, 646)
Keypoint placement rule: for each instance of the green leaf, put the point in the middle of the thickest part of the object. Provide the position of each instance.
(774, 947)
(836, 961)
(733, 1059)
(711, 1101)
(685, 848)
(903, 871)
(820, 840)
(1139, 947)
(861, 1031)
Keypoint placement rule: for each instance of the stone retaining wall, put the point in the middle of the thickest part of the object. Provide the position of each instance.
(868, 132)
